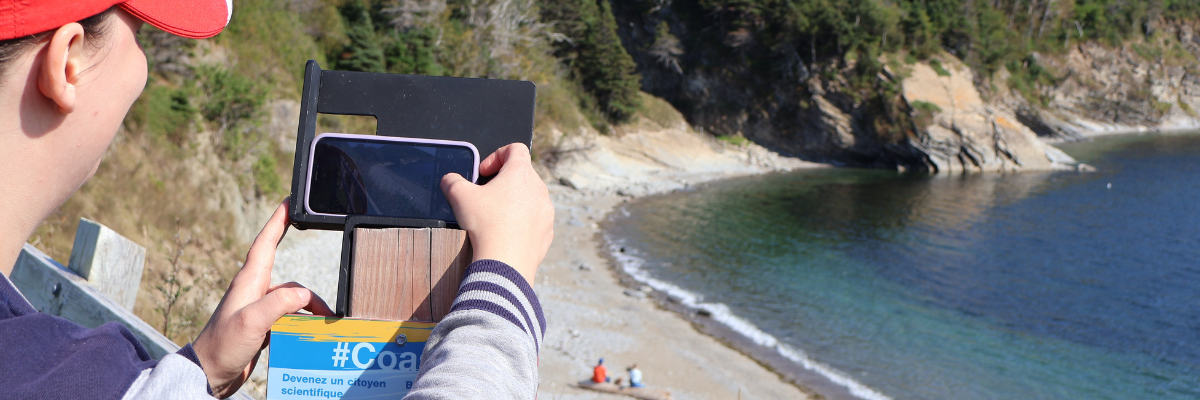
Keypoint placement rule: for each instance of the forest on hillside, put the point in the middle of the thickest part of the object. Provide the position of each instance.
(715, 59)
(591, 58)
(778, 39)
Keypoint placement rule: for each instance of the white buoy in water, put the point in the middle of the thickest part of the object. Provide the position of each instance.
(1110, 185)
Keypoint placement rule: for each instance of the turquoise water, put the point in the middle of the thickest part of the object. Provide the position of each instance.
(1021, 286)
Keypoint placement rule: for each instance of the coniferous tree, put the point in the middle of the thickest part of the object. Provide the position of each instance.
(412, 52)
(364, 52)
(607, 69)
(595, 54)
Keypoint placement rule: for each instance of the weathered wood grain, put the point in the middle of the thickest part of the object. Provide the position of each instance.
(449, 255)
(407, 274)
(108, 261)
(418, 278)
(375, 277)
(398, 293)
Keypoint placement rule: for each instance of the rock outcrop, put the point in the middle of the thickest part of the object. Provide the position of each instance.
(1137, 87)
(966, 134)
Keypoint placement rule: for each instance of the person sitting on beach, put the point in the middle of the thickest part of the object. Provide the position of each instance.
(600, 374)
(635, 376)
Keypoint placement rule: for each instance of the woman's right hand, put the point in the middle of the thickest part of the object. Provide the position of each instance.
(510, 219)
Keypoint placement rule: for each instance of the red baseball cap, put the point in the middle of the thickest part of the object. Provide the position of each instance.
(196, 19)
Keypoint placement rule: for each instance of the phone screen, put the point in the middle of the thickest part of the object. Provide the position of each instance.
(366, 176)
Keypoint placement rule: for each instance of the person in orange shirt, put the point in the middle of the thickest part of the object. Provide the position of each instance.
(600, 374)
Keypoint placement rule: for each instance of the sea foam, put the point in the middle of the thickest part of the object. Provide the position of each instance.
(721, 313)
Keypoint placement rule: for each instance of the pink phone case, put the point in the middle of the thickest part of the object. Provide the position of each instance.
(308, 178)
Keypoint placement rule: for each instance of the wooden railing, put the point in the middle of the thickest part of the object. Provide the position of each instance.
(99, 286)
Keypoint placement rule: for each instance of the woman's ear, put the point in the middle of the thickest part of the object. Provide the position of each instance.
(59, 70)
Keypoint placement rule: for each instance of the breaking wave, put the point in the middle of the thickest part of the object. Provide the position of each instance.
(721, 313)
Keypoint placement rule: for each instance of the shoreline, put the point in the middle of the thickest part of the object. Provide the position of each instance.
(787, 365)
(790, 365)
(714, 319)
(734, 357)
(594, 306)
(1089, 135)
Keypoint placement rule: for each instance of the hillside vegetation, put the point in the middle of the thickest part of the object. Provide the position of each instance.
(204, 153)
(753, 67)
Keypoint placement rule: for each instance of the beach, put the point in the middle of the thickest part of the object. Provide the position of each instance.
(594, 309)
(590, 312)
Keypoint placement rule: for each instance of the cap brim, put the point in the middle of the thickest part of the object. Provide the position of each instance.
(195, 19)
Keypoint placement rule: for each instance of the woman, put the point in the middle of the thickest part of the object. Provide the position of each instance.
(69, 71)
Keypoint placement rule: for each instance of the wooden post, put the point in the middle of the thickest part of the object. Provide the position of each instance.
(108, 261)
(406, 274)
(55, 290)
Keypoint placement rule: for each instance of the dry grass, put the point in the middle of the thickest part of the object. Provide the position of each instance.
(353, 124)
(660, 112)
(140, 190)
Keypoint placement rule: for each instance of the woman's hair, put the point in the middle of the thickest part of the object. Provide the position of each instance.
(95, 30)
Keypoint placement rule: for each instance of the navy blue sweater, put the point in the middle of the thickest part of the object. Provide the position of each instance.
(49, 357)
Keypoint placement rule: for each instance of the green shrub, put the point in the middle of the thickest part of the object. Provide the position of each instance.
(1026, 76)
(660, 111)
(1162, 107)
(233, 102)
(925, 106)
(1181, 9)
(736, 140)
(1149, 52)
(937, 67)
(162, 112)
(1187, 108)
(412, 52)
(266, 179)
(558, 105)
(924, 112)
(995, 40)
(270, 42)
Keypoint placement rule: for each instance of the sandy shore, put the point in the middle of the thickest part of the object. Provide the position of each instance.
(595, 310)
(590, 313)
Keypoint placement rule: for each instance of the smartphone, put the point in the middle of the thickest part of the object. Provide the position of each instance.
(384, 175)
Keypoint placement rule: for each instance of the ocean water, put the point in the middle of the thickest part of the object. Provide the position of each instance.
(1022, 286)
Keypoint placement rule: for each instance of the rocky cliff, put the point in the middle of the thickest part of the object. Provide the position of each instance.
(915, 115)
(1141, 86)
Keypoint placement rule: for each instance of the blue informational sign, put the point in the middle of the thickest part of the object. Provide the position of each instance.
(343, 358)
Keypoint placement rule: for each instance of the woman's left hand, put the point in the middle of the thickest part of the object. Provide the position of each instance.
(238, 331)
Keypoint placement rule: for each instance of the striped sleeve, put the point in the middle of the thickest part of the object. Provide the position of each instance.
(487, 346)
(497, 288)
